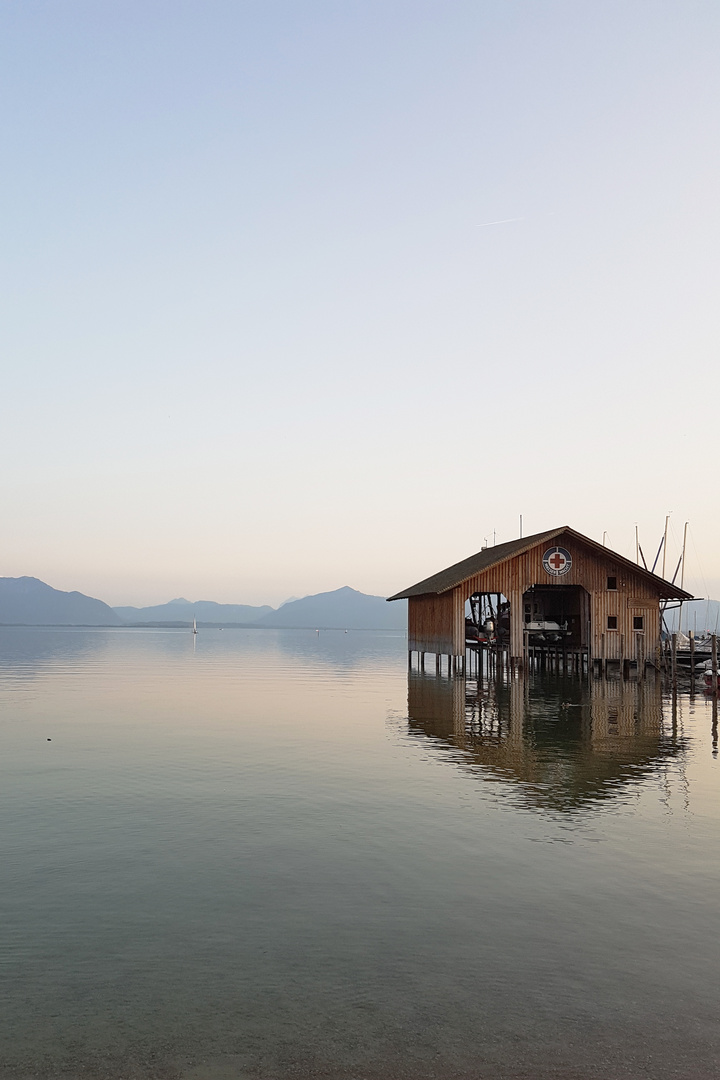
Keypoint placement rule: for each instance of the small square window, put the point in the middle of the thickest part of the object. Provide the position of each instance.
(612, 622)
(638, 622)
(612, 583)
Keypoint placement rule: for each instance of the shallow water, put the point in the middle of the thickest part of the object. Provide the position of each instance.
(274, 853)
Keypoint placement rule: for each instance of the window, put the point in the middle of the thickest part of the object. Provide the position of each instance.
(612, 622)
(638, 621)
(612, 583)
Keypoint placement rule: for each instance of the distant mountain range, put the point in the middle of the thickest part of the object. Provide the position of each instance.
(344, 608)
(27, 601)
(696, 615)
(183, 611)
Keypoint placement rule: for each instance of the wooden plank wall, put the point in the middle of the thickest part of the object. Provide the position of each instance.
(432, 625)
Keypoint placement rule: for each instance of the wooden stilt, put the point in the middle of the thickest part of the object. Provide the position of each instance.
(673, 662)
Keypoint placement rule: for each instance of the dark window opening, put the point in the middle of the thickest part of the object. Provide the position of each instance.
(638, 622)
(612, 622)
(612, 583)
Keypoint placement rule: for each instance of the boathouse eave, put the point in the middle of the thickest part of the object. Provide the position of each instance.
(455, 575)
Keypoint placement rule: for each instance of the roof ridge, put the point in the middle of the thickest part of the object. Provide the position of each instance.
(518, 546)
(452, 576)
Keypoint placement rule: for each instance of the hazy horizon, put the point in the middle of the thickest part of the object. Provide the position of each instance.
(303, 295)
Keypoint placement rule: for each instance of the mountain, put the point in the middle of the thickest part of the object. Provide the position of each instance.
(696, 615)
(30, 602)
(26, 601)
(183, 611)
(343, 609)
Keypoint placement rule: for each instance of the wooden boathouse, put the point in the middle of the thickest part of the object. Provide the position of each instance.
(607, 609)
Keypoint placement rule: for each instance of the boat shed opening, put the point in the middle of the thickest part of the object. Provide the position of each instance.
(556, 599)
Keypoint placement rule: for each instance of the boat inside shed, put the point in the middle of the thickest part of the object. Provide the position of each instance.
(555, 616)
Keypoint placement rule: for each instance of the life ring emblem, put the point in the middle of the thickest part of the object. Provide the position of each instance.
(557, 561)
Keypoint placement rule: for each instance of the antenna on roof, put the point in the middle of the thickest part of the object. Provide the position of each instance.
(521, 526)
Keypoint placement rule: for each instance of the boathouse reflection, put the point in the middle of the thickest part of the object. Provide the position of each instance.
(566, 743)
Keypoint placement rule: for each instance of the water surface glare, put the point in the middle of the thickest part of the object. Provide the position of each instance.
(270, 854)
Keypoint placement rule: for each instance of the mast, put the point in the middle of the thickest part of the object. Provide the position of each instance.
(682, 575)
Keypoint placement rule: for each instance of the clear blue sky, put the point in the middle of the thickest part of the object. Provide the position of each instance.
(253, 341)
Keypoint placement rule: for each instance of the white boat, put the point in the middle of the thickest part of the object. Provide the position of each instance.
(194, 626)
(706, 669)
(540, 630)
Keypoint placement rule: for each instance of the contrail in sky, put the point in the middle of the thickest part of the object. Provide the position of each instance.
(505, 221)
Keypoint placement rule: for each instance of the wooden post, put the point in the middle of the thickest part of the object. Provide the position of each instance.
(691, 635)
(673, 661)
(517, 628)
(714, 665)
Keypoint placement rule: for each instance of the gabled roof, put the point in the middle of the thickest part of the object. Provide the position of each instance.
(483, 560)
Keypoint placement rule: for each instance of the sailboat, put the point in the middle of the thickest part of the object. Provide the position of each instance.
(194, 626)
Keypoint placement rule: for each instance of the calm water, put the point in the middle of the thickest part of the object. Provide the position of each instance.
(275, 854)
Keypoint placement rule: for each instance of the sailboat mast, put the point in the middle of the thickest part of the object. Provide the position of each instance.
(682, 575)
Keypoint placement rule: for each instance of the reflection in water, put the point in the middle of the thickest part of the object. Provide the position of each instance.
(26, 652)
(216, 864)
(566, 743)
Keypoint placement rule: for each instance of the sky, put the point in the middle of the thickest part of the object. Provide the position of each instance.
(257, 339)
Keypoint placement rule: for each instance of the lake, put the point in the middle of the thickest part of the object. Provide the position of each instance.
(270, 854)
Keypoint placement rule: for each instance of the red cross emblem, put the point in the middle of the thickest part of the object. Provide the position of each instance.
(557, 561)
